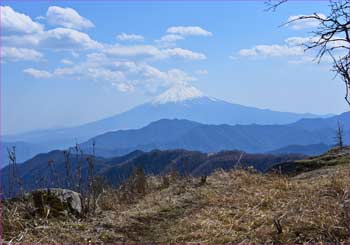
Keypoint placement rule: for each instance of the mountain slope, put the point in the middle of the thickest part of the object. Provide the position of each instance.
(178, 102)
(311, 150)
(335, 156)
(231, 207)
(182, 134)
(38, 173)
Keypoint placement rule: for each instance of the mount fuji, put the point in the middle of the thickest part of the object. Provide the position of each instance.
(179, 102)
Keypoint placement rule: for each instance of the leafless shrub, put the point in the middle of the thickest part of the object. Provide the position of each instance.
(203, 180)
(165, 181)
(107, 199)
(91, 194)
(174, 176)
(139, 182)
(339, 137)
(79, 167)
(67, 165)
(134, 187)
(15, 182)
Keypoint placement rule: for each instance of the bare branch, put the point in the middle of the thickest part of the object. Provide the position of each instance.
(331, 37)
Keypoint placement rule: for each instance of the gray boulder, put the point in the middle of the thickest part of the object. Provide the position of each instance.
(55, 202)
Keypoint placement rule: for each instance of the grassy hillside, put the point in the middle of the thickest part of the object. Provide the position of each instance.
(38, 173)
(332, 157)
(237, 206)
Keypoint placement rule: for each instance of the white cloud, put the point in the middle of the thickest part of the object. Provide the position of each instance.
(273, 50)
(189, 31)
(66, 62)
(58, 39)
(150, 75)
(248, 52)
(133, 50)
(295, 50)
(25, 41)
(124, 87)
(126, 76)
(40, 17)
(176, 76)
(299, 40)
(63, 38)
(299, 24)
(37, 73)
(13, 22)
(122, 66)
(97, 73)
(93, 69)
(335, 41)
(184, 53)
(169, 40)
(201, 72)
(20, 54)
(67, 17)
(152, 51)
(129, 37)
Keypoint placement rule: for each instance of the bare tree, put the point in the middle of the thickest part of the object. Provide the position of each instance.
(340, 135)
(91, 178)
(12, 171)
(331, 38)
(79, 167)
(273, 5)
(67, 167)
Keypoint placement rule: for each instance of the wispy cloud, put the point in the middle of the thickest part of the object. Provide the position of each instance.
(201, 72)
(37, 73)
(184, 53)
(129, 37)
(298, 24)
(66, 61)
(20, 54)
(126, 76)
(13, 22)
(169, 40)
(189, 31)
(125, 67)
(272, 50)
(67, 17)
(152, 51)
(58, 39)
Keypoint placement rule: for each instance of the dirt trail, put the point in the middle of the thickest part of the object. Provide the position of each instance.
(149, 223)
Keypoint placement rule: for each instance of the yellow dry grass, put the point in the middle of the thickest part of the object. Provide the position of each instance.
(232, 207)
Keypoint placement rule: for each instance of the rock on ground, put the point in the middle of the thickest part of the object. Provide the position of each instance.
(55, 202)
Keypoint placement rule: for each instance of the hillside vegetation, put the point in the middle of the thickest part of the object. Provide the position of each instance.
(53, 169)
(332, 157)
(235, 206)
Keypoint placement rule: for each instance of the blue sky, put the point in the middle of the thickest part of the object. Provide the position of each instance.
(67, 63)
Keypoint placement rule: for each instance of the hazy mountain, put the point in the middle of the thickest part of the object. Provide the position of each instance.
(310, 150)
(24, 150)
(178, 102)
(183, 134)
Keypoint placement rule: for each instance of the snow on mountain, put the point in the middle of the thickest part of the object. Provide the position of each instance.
(178, 102)
(178, 93)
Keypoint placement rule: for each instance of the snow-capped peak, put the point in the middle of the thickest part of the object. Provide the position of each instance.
(178, 93)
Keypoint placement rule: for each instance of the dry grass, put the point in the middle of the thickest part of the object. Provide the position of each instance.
(232, 207)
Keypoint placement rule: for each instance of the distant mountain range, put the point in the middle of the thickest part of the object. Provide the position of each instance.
(309, 150)
(176, 103)
(37, 173)
(302, 136)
